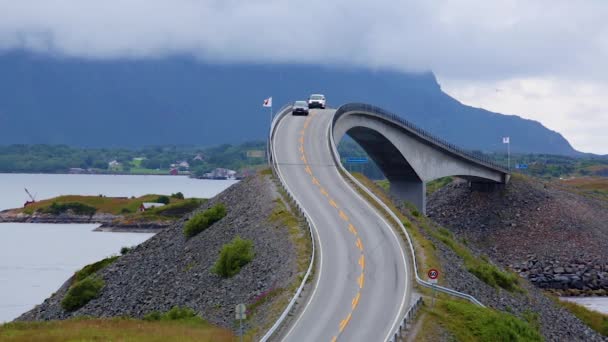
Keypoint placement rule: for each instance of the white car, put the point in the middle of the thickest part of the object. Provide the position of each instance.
(316, 101)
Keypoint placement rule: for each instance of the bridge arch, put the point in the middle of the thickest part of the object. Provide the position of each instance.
(408, 156)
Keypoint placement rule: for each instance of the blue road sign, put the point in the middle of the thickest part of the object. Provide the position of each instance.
(521, 166)
(356, 160)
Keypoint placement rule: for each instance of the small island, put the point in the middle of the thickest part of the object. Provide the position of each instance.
(148, 213)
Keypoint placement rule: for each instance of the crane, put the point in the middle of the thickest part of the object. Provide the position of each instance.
(33, 198)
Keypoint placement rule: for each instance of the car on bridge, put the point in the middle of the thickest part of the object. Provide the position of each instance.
(316, 101)
(300, 108)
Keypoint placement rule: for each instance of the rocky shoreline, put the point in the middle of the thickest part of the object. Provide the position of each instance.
(107, 222)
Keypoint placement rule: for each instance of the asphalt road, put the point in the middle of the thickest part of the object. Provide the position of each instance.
(362, 279)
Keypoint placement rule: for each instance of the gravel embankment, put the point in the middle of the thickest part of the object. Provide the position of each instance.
(169, 270)
(555, 238)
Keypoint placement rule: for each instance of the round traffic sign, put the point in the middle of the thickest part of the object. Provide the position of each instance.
(433, 273)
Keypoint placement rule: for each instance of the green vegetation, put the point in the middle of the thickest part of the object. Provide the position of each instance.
(479, 266)
(234, 255)
(175, 314)
(115, 329)
(75, 207)
(596, 187)
(125, 250)
(203, 220)
(468, 322)
(81, 292)
(93, 268)
(437, 184)
(595, 320)
(177, 195)
(174, 210)
(163, 199)
(147, 160)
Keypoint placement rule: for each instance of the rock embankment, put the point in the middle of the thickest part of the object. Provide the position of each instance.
(555, 238)
(169, 270)
(108, 222)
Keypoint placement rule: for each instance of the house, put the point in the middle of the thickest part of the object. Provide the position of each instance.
(220, 173)
(199, 157)
(113, 165)
(184, 164)
(149, 205)
(173, 172)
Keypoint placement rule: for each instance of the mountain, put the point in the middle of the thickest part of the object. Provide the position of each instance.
(181, 100)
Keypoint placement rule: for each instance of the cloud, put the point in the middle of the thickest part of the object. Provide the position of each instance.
(466, 42)
(576, 109)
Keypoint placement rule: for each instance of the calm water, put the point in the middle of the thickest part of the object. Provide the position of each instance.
(599, 304)
(35, 259)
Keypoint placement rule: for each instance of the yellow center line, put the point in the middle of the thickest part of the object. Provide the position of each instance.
(345, 321)
(333, 203)
(308, 170)
(361, 280)
(356, 300)
(303, 158)
(301, 140)
(362, 261)
(334, 339)
(359, 244)
(352, 229)
(324, 192)
(343, 216)
(301, 149)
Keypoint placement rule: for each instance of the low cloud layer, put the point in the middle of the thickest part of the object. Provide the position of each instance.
(479, 42)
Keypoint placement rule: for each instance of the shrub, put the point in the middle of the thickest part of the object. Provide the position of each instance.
(233, 256)
(125, 211)
(163, 199)
(125, 250)
(94, 267)
(178, 195)
(203, 220)
(76, 207)
(81, 293)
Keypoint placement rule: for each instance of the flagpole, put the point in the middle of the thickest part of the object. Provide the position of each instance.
(509, 154)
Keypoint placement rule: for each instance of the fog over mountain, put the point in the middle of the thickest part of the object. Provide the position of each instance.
(181, 100)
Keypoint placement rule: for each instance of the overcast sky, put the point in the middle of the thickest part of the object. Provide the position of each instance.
(544, 59)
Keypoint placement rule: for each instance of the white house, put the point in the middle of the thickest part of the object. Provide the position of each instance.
(149, 205)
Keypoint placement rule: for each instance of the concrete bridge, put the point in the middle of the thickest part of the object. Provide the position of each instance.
(408, 156)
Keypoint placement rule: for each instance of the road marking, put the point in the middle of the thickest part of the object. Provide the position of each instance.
(303, 158)
(333, 203)
(315, 181)
(362, 261)
(308, 170)
(345, 321)
(301, 149)
(343, 216)
(324, 192)
(361, 280)
(352, 229)
(359, 244)
(301, 140)
(356, 300)
(302, 132)
(334, 339)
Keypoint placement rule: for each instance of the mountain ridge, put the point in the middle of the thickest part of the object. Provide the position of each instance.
(179, 100)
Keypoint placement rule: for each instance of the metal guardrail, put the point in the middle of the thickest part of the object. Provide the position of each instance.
(409, 317)
(367, 108)
(420, 281)
(272, 163)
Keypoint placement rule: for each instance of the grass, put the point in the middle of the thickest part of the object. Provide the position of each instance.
(596, 187)
(204, 220)
(176, 313)
(81, 292)
(117, 329)
(75, 207)
(468, 322)
(90, 269)
(173, 210)
(234, 255)
(102, 204)
(437, 184)
(595, 320)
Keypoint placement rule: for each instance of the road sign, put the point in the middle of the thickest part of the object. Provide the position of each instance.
(240, 311)
(356, 160)
(433, 274)
(521, 166)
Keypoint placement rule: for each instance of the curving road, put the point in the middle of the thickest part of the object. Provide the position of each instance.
(362, 282)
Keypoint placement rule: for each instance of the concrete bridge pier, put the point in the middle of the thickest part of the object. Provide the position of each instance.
(413, 191)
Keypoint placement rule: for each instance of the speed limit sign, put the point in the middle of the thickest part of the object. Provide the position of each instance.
(433, 274)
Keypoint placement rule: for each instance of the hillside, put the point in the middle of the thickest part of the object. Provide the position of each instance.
(181, 101)
(171, 270)
(554, 235)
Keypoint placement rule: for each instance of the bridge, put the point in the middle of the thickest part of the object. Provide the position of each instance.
(410, 157)
(363, 275)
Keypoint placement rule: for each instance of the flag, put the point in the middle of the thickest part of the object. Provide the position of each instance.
(505, 140)
(268, 102)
